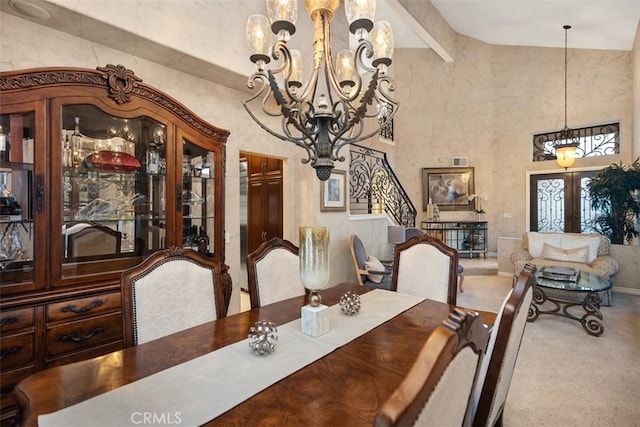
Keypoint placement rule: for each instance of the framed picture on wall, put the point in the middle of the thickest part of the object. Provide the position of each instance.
(333, 192)
(449, 188)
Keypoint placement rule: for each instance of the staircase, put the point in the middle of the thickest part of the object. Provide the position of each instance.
(375, 189)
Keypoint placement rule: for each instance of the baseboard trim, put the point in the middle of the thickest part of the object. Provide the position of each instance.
(505, 273)
(625, 290)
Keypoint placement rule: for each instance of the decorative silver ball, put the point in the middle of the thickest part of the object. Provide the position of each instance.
(262, 337)
(350, 303)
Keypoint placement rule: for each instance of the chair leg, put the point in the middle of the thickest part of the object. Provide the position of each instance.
(460, 280)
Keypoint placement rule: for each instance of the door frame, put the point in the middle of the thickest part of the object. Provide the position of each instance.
(528, 175)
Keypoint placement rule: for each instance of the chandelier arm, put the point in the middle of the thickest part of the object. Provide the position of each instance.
(364, 50)
(367, 99)
(264, 90)
(286, 135)
(361, 112)
(330, 75)
(360, 137)
(386, 85)
(280, 48)
(288, 112)
(309, 89)
(263, 126)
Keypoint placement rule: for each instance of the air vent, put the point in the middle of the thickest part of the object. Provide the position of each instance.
(459, 161)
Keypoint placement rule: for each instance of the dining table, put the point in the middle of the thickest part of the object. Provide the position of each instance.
(347, 386)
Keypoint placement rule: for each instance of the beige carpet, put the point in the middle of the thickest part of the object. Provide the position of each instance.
(564, 377)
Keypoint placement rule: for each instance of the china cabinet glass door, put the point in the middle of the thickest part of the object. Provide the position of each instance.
(113, 188)
(21, 179)
(198, 198)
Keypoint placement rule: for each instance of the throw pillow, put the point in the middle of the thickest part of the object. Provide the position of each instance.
(571, 241)
(567, 255)
(537, 239)
(374, 264)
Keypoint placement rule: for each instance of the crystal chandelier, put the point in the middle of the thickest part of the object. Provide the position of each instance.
(567, 144)
(328, 111)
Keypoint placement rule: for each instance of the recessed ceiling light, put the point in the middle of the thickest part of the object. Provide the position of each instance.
(29, 9)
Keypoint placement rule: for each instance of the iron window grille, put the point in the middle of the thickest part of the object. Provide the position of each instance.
(598, 140)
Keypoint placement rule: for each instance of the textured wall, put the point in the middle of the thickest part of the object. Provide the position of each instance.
(487, 105)
(636, 94)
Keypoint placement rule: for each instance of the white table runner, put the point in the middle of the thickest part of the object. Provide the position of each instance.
(199, 390)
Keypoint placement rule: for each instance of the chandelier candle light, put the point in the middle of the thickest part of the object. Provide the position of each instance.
(324, 113)
(314, 275)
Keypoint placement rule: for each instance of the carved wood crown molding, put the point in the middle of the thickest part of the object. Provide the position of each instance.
(121, 83)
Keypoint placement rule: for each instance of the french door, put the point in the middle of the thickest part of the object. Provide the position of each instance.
(560, 202)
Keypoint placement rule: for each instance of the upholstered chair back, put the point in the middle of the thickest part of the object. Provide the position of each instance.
(370, 271)
(170, 291)
(439, 386)
(274, 272)
(502, 352)
(92, 240)
(424, 266)
(359, 254)
(410, 232)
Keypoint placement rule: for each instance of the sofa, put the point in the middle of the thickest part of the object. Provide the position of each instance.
(587, 252)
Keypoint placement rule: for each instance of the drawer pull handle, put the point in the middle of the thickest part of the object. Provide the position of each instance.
(9, 352)
(6, 390)
(89, 307)
(8, 320)
(92, 332)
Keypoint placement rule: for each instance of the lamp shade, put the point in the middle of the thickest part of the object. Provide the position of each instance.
(297, 67)
(566, 155)
(282, 10)
(346, 67)
(396, 234)
(258, 37)
(360, 14)
(382, 39)
(283, 15)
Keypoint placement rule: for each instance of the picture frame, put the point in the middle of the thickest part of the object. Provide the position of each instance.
(333, 192)
(449, 188)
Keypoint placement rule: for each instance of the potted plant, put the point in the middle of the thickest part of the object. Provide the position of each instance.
(615, 192)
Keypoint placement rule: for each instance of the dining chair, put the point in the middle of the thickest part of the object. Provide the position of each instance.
(84, 239)
(370, 271)
(416, 232)
(424, 266)
(439, 386)
(273, 272)
(171, 290)
(502, 352)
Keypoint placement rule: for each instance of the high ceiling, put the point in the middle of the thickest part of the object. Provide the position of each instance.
(597, 24)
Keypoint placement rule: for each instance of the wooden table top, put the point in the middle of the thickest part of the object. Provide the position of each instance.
(346, 387)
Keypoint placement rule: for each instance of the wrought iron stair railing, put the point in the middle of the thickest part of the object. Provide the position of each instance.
(375, 189)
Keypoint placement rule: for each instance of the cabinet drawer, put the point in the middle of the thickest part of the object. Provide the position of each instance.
(9, 381)
(84, 334)
(16, 350)
(89, 353)
(83, 307)
(17, 319)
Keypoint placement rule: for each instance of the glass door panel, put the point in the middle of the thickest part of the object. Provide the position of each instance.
(17, 212)
(561, 202)
(198, 198)
(113, 185)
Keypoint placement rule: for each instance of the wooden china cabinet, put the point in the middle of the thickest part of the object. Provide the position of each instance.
(97, 171)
